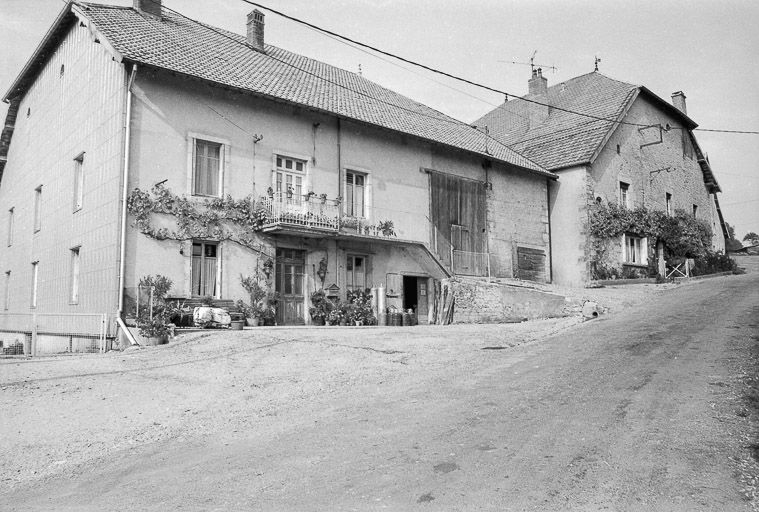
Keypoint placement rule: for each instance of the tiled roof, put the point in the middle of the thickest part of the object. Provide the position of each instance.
(563, 139)
(188, 47)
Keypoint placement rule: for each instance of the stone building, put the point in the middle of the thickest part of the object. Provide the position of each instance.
(631, 148)
(358, 185)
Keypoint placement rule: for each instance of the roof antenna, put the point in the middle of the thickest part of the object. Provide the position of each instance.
(597, 61)
(532, 63)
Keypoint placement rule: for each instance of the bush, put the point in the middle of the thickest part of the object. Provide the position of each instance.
(155, 321)
(713, 263)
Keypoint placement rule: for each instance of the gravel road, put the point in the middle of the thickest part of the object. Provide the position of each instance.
(638, 410)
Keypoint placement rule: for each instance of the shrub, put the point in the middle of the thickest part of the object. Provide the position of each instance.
(712, 263)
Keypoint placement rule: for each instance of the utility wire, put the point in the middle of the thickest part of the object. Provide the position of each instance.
(442, 117)
(467, 81)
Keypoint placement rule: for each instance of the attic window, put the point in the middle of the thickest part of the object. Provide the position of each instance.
(63, 69)
(28, 111)
(617, 148)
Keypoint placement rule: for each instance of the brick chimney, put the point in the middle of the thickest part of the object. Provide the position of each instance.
(537, 85)
(538, 90)
(256, 29)
(149, 7)
(678, 100)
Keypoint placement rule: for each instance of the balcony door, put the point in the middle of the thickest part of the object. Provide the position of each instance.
(288, 282)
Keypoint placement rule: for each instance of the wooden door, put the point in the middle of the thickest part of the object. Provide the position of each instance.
(288, 281)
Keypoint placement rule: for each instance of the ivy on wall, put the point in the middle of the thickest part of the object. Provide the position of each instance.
(683, 235)
(220, 219)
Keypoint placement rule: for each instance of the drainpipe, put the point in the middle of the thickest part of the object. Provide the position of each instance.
(550, 235)
(125, 185)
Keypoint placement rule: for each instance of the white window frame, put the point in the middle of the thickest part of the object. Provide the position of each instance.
(35, 283)
(640, 248)
(294, 173)
(368, 195)
(224, 151)
(11, 220)
(624, 194)
(78, 182)
(38, 209)
(74, 274)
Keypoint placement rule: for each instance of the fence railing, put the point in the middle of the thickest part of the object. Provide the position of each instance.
(53, 333)
(296, 211)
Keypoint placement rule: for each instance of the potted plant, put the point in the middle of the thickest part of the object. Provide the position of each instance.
(321, 307)
(323, 197)
(309, 195)
(254, 308)
(153, 315)
(290, 192)
(386, 227)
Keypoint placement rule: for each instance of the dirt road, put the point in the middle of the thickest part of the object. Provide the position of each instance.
(640, 410)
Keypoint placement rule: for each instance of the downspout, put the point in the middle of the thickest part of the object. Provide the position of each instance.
(550, 237)
(125, 186)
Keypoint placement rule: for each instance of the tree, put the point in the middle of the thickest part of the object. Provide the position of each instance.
(752, 238)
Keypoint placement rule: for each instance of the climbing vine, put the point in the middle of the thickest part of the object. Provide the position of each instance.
(683, 235)
(221, 219)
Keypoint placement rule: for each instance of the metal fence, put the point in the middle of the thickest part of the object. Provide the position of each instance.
(37, 334)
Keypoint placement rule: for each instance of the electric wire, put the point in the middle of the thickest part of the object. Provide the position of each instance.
(465, 80)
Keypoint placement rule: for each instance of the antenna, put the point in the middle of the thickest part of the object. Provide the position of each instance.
(532, 63)
(598, 59)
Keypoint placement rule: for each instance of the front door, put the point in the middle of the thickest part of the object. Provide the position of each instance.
(204, 265)
(288, 282)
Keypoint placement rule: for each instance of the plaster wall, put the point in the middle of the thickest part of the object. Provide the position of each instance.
(568, 212)
(74, 108)
(169, 111)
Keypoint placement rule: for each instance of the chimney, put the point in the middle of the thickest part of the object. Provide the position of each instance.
(537, 84)
(149, 7)
(256, 29)
(678, 100)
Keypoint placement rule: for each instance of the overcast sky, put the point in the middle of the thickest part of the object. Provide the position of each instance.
(707, 49)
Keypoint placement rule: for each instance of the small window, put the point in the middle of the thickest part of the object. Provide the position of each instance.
(635, 250)
(355, 194)
(695, 210)
(38, 208)
(355, 269)
(617, 148)
(35, 280)
(7, 291)
(74, 276)
(63, 69)
(11, 216)
(668, 199)
(624, 194)
(207, 168)
(78, 182)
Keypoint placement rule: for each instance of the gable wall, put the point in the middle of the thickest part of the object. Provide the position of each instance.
(78, 111)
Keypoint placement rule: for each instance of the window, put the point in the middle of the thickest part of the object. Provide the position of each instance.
(35, 275)
(7, 291)
(695, 209)
(11, 212)
(355, 186)
(635, 250)
(207, 168)
(289, 175)
(74, 276)
(668, 200)
(37, 208)
(355, 273)
(624, 194)
(78, 182)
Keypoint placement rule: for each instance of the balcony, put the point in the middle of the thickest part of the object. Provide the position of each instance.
(316, 215)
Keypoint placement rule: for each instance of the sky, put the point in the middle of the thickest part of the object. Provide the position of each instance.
(707, 49)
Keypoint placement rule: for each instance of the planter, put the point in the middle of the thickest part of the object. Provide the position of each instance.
(253, 321)
(236, 325)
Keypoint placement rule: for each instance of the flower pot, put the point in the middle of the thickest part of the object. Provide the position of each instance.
(252, 321)
(236, 325)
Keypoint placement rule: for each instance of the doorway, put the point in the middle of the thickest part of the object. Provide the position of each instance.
(204, 266)
(288, 282)
(415, 296)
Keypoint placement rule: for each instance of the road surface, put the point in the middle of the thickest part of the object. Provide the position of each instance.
(639, 410)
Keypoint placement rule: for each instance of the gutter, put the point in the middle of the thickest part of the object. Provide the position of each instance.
(125, 185)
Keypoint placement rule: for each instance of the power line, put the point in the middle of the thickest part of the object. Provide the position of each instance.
(467, 81)
(442, 117)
